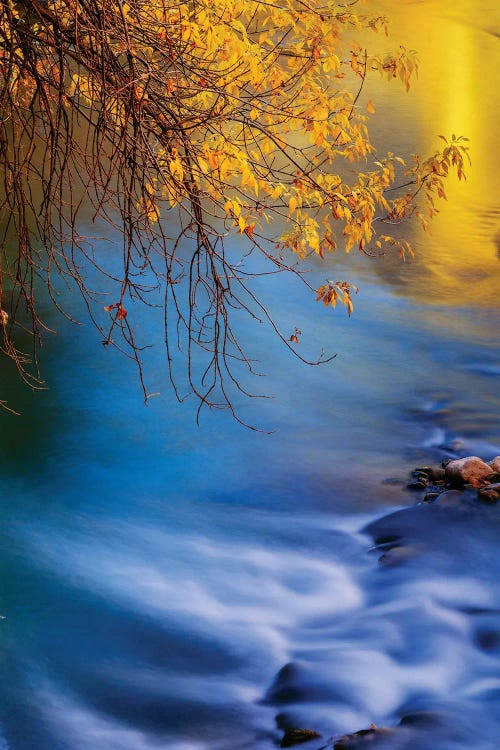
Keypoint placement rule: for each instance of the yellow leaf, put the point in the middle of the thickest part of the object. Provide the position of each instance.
(370, 108)
(203, 165)
(176, 169)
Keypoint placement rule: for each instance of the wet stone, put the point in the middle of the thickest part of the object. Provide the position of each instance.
(470, 470)
(398, 555)
(430, 497)
(429, 475)
(488, 639)
(490, 493)
(437, 475)
(297, 682)
(420, 485)
(423, 470)
(495, 465)
(363, 738)
(298, 736)
(451, 498)
(421, 720)
(454, 447)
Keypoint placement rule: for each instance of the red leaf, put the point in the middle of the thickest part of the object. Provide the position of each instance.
(249, 230)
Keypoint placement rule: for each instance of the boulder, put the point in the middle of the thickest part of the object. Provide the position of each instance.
(470, 470)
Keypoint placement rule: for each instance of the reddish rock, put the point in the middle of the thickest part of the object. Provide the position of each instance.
(490, 493)
(470, 470)
(495, 464)
(365, 737)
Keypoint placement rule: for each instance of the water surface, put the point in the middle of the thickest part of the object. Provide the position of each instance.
(158, 578)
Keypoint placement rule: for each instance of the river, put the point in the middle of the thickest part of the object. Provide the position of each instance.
(200, 588)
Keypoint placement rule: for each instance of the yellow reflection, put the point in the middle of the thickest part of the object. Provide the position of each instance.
(456, 92)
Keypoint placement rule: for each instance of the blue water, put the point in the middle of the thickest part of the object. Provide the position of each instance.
(165, 585)
(158, 575)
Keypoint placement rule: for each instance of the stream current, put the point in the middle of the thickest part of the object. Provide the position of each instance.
(169, 586)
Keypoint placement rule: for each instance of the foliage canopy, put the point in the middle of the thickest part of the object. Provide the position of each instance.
(241, 116)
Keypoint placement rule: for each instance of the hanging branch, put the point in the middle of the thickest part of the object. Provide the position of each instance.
(181, 125)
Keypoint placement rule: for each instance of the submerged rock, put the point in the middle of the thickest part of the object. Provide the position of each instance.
(363, 738)
(299, 682)
(298, 736)
(450, 524)
(398, 554)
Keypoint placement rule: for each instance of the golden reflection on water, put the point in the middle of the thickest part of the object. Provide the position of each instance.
(457, 92)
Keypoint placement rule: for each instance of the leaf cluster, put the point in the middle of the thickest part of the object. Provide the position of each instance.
(229, 117)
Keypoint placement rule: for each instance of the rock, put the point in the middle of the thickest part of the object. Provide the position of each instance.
(421, 720)
(490, 493)
(470, 470)
(423, 470)
(437, 475)
(397, 555)
(429, 497)
(495, 464)
(452, 498)
(362, 739)
(298, 682)
(488, 639)
(456, 515)
(420, 485)
(454, 446)
(430, 474)
(297, 736)
(425, 477)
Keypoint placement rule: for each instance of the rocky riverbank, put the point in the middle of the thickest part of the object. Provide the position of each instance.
(458, 500)
(470, 473)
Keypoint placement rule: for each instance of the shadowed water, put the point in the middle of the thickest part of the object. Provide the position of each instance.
(168, 586)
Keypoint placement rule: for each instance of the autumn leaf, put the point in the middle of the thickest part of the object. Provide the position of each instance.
(121, 312)
(249, 230)
(198, 122)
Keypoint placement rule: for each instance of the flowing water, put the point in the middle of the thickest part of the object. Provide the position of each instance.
(168, 586)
